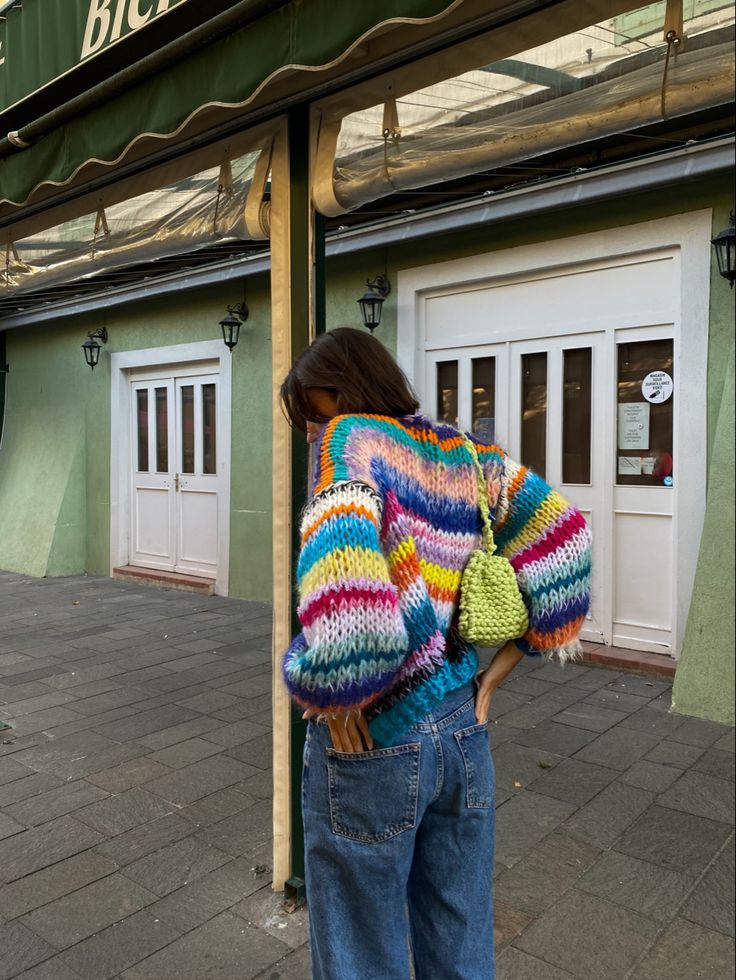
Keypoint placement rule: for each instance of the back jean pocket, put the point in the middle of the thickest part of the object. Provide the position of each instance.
(476, 751)
(373, 795)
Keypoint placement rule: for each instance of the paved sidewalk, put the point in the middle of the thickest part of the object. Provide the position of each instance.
(135, 812)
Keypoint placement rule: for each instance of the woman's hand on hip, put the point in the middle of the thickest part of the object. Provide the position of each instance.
(349, 732)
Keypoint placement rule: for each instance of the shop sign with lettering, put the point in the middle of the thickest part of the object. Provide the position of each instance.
(41, 40)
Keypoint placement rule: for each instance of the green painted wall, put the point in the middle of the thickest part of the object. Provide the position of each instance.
(55, 455)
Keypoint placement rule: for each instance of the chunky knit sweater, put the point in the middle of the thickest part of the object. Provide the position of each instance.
(384, 541)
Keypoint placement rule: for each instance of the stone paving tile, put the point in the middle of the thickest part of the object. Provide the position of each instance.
(573, 781)
(121, 945)
(558, 739)
(653, 721)
(256, 752)
(727, 742)
(118, 814)
(651, 776)
(711, 904)
(513, 964)
(27, 706)
(618, 748)
(48, 756)
(523, 822)
(616, 700)
(176, 865)
(686, 951)
(590, 716)
(294, 966)
(588, 937)
(544, 873)
(10, 770)
(200, 779)
(699, 732)
(701, 794)
(83, 723)
(53, 882)
(222, 949)
(20, 949)
(525, 684)
(136, 843)
(40, 721)
(34, 849)
(507, 924)
(145, 722)
(637, 885)
(185, 753)
(179, 733)
(672, 839)
(519, 765)
(202, 899)
(217, 806)
(260, 786)
(265, 909)
(55, 803)
(675, 754)
(646, 687)
(607, 815)
(127, 774)
(237, 835)
(9, 827)
(53, 969)
(87, 911)
(229, 736)
(117, 698)
(82, 675)
(718, 763)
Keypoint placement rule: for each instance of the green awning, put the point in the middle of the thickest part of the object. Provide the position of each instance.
(274, 57)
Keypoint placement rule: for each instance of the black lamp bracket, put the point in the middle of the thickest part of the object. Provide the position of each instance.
(99, 334)
(380, 285)
(239, 310)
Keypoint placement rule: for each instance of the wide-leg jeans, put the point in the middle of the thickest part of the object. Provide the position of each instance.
(399, 851)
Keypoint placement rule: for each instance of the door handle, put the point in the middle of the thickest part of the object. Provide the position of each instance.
(177, 482)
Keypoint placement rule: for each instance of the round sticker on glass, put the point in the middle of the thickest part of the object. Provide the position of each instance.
(657, 387)
(668, 481)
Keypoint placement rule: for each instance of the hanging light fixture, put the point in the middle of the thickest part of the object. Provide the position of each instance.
(92, 345)
(231, 324)
(372, 300)
(725, 248)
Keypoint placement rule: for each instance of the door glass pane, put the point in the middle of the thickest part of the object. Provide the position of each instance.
(484, 398)
(576, 415)
(447, 392)
(187, 429)
(142, 419)
(645, 411)
(534, 412)
(209, 429)
(162, 430)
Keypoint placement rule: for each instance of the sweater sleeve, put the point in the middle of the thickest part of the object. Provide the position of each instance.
(548, 543)
(353, 638)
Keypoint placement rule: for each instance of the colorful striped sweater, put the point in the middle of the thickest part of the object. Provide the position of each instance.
(385, 539)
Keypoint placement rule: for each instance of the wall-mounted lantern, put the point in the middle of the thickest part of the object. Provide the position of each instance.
(372, 300)
(231, 324)
(92, 345)
(725, 248)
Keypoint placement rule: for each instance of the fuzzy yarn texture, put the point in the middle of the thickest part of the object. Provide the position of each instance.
(384, 542)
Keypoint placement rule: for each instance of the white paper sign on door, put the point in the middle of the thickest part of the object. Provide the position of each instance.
(633, 425)
(629, 466)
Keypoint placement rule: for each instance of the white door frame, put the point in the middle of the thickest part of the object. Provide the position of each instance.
(686, 238)
(166, 360)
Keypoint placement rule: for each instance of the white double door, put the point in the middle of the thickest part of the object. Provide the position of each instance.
(554, 404)
(176, 471)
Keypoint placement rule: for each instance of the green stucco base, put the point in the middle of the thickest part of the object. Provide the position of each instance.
(704, 683)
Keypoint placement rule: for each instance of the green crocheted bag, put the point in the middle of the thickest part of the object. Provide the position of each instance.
(492, 610)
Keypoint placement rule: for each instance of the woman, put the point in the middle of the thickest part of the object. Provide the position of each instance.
(398, 783)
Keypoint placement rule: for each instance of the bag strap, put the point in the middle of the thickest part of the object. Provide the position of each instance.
(488, 543)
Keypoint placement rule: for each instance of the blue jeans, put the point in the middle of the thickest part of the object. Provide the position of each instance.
(399, 851)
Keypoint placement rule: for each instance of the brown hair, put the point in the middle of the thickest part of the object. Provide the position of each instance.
(357, 369)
